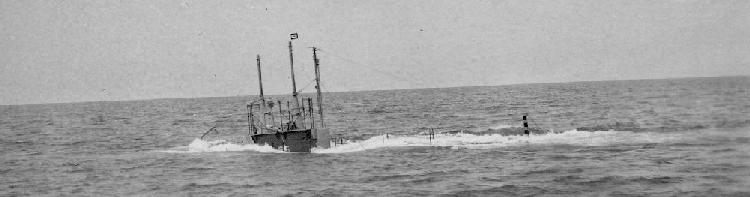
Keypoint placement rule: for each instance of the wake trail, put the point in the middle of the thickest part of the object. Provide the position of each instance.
(458, 140)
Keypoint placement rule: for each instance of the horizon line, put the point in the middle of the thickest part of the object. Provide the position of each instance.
(395, 89)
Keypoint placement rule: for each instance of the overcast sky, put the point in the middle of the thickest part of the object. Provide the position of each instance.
(71, 50)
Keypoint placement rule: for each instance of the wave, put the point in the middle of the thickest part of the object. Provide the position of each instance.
(501, 126)
(460, 140)
(198, 146)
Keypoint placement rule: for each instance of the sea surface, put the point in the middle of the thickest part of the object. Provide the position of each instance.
(668, 137)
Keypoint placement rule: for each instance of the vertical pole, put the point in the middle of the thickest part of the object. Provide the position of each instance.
(262, 99)
(526, 126)
(310, 111)
(250, 120)
(288, 111)
(281, 117)
(302, 108)
(294, 84)
(270, 113)
(317, 86)
(430, 135)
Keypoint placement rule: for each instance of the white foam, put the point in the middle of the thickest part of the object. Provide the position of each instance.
(199, 145)
(459, 140)
(471, 141)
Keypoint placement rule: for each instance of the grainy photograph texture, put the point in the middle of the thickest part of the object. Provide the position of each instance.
(374, 98)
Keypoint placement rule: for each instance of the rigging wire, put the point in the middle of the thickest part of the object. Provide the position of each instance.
(306, 86)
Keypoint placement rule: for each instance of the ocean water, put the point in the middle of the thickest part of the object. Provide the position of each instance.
(670, 137)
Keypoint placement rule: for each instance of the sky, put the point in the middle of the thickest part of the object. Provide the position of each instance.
(101, 50)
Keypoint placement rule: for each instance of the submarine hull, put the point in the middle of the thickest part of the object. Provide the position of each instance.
(291, 141)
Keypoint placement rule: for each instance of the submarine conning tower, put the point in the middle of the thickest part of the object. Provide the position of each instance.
(295, 128)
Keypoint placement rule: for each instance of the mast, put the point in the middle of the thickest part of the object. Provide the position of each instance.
(317, 86)
(294, 85)
(262, 99)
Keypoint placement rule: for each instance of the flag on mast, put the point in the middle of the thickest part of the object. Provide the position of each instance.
(294, 36)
